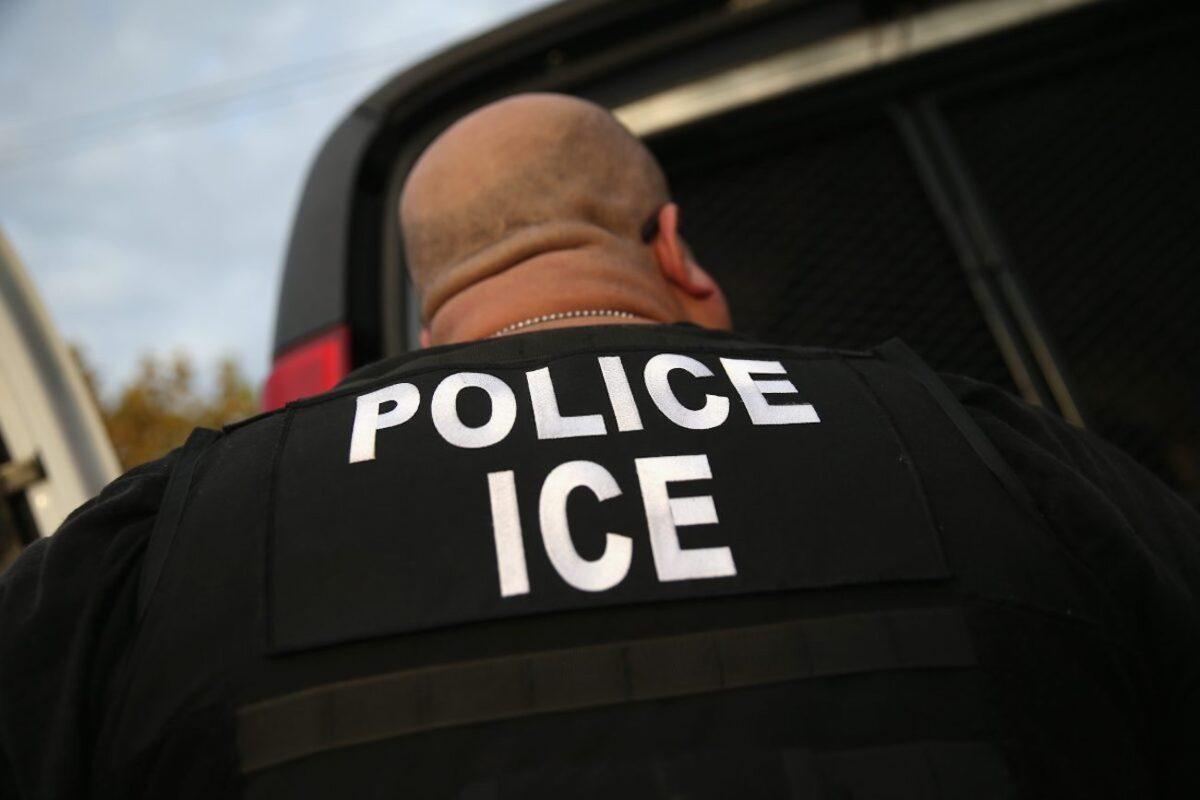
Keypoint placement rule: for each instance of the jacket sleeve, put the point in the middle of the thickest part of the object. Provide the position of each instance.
(1094, 494)
(66, 613)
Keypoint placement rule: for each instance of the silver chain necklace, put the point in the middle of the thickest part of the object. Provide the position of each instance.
(557, 315)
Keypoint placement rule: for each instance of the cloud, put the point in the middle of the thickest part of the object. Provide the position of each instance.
(152, 232)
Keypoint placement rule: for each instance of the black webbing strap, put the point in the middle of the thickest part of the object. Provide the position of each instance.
(897, 352)
(337, 715)
(170, 511)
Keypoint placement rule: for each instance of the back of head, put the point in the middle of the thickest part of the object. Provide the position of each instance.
(525, 167)
(537, 206)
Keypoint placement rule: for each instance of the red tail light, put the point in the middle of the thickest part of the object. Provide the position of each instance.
(307, 368)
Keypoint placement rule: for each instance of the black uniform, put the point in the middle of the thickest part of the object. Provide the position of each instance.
(610, 562)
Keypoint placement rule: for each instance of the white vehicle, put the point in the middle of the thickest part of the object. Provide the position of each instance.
(54, 452)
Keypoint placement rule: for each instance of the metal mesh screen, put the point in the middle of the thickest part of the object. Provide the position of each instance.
(1094, 179)
(830, 240)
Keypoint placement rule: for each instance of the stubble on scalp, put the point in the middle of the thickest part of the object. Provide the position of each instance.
(519, 165)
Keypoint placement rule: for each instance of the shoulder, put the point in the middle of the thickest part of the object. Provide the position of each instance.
(66, 607)
(1073, 472)
(90, 530)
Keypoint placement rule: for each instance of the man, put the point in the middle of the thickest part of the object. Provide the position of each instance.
(587, 543)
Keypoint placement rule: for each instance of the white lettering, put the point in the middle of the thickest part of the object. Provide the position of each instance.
(753, 393)
(506, 529)
(619, 394)
(715, 409)
(664, 514)
(589, 576)
(550, 423)
(445, 410)
(368, 420)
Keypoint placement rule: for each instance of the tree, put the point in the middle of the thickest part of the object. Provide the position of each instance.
(157, 410)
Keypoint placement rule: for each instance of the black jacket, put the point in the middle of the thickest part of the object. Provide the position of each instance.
(616, 561)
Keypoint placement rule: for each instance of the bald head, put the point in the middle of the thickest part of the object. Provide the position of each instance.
(519, 176)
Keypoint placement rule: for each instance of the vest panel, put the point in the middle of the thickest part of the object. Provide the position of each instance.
(627, 562)
(408, 539)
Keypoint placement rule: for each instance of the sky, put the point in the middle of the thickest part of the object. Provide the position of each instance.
(152, 153)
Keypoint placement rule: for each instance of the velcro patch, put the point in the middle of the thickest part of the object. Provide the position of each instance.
(450, 496)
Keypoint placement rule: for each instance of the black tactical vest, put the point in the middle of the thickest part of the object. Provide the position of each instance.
(618, 562)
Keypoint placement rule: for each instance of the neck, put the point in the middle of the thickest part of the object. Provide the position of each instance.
(550, 291)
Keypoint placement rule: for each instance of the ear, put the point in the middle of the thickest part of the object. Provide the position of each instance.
(674, 259)
(425, 337)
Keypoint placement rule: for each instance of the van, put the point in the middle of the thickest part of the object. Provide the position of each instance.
(1011, 186)
(54, 451)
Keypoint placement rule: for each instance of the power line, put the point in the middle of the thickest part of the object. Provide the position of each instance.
(66, 134)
